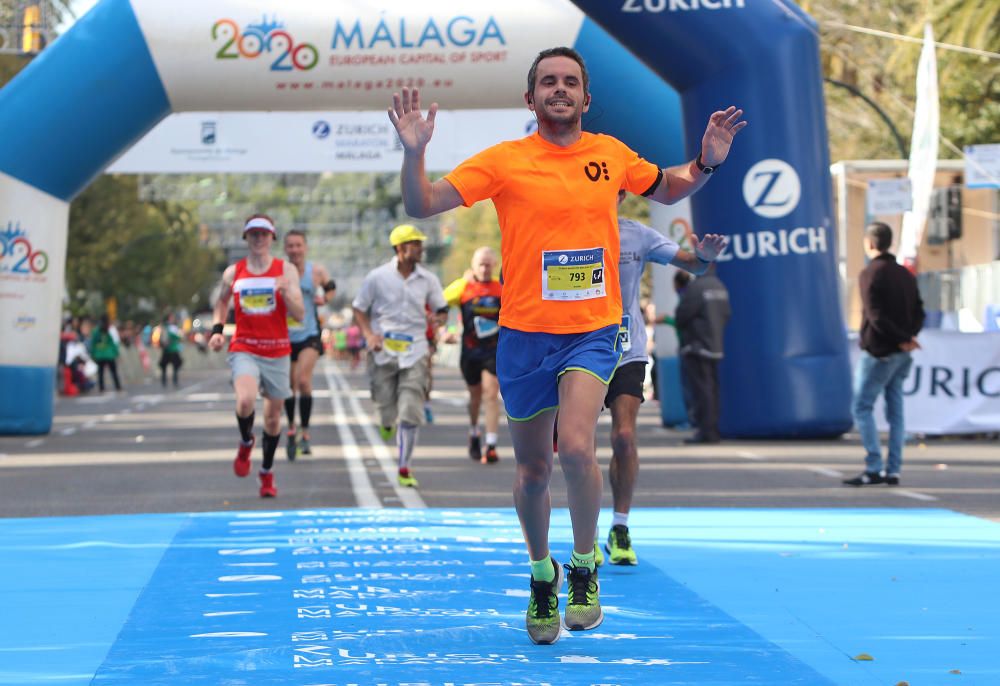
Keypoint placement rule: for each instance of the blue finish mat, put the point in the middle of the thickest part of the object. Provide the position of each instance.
(335, 597)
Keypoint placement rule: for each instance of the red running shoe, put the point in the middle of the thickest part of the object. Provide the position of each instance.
(267, 489)
(241, 465)
(491, 455)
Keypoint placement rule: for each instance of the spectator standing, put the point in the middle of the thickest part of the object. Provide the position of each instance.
(171, 341)
(892, 315)
(104, 351)
(701, 318)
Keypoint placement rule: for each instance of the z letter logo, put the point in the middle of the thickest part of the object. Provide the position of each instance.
(771, 188)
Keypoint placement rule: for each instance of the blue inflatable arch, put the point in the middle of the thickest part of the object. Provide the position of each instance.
(129, 63)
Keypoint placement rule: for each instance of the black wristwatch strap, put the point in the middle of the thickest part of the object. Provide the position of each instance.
(705, 169)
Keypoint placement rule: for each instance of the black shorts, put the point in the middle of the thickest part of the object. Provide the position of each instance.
(173, 359)
(473, 366)
(627, 381)
(314, 342)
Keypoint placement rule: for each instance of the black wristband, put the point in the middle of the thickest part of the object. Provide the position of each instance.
(704, 168)
(217, 328)
(701, 259)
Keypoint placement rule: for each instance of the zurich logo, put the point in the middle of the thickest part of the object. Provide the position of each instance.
(563, 259)
(321, 129)
(771, 188)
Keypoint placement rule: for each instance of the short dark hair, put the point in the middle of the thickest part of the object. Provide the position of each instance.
(881, 234)
(558, 52)
(681, 279)
(297, 232)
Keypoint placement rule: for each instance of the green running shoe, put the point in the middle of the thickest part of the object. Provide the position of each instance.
(388, 433)
(583, 607)
(304, 447)
(542, 617)
(598, 555)
(407, 480)
(619, 546)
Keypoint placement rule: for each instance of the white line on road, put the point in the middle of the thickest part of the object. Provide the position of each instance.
(68, 431)
(826, 472)
(914, 495)
(35, 443)
(364, 493)
(749, 456)
(408, 496)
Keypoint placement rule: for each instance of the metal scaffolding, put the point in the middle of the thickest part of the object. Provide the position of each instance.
(28, 26)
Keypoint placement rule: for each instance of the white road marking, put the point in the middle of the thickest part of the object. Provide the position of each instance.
(749, 456)
(68, 431)
(35, 443)
(361, 485)
(914, 495)
(826, 472)
(408, 496)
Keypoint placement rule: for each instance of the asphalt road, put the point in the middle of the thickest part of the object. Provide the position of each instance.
(150, 449)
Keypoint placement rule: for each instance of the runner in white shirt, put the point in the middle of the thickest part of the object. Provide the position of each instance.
(639, 244)
(390, 310)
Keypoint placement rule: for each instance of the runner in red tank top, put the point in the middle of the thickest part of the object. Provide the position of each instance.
(265, 292)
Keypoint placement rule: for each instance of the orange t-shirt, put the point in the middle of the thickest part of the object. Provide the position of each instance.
(558, 212)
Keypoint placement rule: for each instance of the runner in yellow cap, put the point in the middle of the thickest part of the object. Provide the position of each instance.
(389, 309)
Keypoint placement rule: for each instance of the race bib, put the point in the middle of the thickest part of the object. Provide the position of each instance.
(624, 333)
(295, 325)
(397, 344)
(485, 327)
(257, 300)
(573, 274)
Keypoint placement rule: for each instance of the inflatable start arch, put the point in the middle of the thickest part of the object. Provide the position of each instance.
(129, 63)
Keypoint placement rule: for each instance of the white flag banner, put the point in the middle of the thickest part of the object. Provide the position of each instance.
(953, 387)
(923, 151)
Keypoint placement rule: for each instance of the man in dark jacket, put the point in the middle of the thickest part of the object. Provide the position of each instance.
(701, 318)
(892, 316)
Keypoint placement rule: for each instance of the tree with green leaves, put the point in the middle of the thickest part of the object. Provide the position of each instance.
(147, 255)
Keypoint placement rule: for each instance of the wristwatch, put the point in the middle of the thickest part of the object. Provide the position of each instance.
(705, 169)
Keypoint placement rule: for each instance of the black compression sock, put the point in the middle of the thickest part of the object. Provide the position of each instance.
(290, 410)
(270, 446)
(305, 409)
(246, 427)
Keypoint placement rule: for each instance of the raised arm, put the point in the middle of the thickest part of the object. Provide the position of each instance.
(421, 198)
(706, 251)
(683, 180)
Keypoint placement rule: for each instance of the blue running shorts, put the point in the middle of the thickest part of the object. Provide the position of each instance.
(529, 365)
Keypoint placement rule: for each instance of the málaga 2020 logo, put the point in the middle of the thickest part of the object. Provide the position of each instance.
(265, 39)
(16, 254)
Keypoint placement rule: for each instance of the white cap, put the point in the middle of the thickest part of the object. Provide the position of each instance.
(259, 223)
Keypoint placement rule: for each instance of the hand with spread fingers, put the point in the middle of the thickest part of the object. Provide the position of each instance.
(413, 129)
(722, 127)
(710, 247)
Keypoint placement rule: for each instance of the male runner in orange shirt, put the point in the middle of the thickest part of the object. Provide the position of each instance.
(555, 193)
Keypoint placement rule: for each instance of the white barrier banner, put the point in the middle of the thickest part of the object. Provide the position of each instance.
(310, 142)
(32, 274)
(954, 386)
(302, 55)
